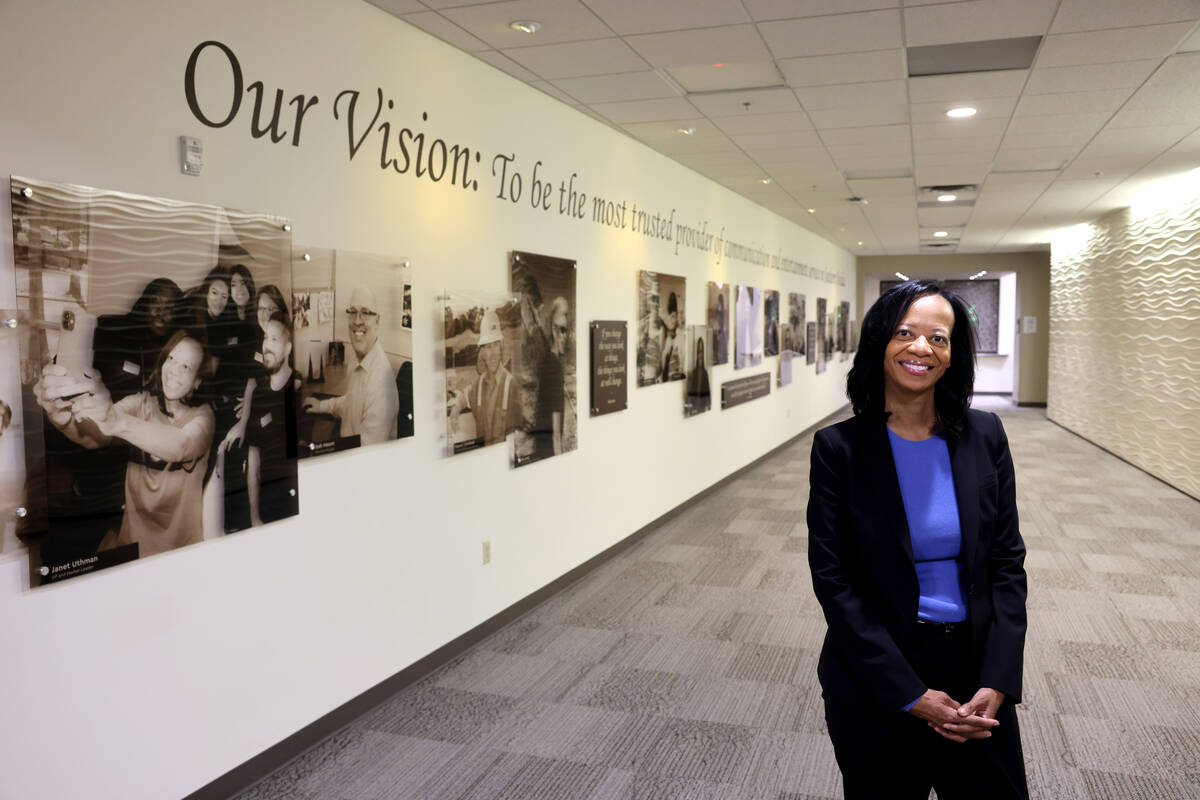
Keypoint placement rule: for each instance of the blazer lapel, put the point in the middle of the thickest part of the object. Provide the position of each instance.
(889, 502)
(966, 491)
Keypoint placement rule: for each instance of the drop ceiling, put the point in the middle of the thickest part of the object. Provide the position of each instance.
(803, 104)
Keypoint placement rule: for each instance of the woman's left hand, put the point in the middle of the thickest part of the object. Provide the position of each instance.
(978, 713)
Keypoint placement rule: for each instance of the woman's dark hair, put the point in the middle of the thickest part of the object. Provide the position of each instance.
(672, 304)
(196, 398)
(281, 307)
(159, 287)
(951, 394)
(248, 279)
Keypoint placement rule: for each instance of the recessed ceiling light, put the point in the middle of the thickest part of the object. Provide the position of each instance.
(718, 65)
(947, 198)
(812, 211)
(685, 131)
(526, 26)
(764, 181)
(962, 111)
(940, 234)
(860, 244)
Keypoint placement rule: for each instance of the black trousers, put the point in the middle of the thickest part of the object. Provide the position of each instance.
(893, 755)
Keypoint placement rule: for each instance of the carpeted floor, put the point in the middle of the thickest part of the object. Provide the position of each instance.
(685, 667)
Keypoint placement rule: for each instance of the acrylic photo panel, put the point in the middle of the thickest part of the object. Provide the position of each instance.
(770, 322)
(749, 318)
(544, 356)
(141, 308)
(697, 396)
(794, 334)
(810, 343)
(661, 322)
(784, 372)
(13, 510)
(720, 310)
(480, 334)
(355, 359)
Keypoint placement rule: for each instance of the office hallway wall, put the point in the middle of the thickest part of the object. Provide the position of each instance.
(685, 667)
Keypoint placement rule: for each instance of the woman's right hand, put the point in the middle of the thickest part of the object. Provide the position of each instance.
(95, 404)
(55, 390)
(940, 709)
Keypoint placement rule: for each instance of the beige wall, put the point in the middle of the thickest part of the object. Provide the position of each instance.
(1125, 354)
(1033, 299)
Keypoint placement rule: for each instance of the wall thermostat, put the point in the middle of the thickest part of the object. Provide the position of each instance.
(191, 154)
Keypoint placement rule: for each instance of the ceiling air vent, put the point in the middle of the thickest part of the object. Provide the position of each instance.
(857, 201)
(951, 188)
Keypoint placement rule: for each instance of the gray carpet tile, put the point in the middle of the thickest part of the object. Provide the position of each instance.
(685, 666)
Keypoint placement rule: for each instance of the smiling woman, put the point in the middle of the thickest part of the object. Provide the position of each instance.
(917, 561)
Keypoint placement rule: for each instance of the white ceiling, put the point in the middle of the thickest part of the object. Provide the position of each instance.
(814, 95)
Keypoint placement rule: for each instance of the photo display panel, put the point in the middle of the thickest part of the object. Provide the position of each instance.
(719, 312)
(610, 356)
(544, 357)
(697, 397)
(13, 511)
(770, 322)
(354, 345)
(793, 336)
(480, 333)
(749, 344)
(149, 374)
(661, 323)
(810, 343)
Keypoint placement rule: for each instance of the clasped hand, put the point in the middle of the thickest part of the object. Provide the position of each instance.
(959, 722)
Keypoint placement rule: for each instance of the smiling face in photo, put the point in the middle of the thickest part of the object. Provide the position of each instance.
(181, 369)
(276, 346)
(362, 321)
(218, 298)
(918, 353)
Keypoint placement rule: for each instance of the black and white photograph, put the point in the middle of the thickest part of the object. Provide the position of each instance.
(784, 373)
(149, 368)
(12, 432)
(480, 333)
(697, 397)
(749, 343)
(355, 360)
(719, 312)
(842, 334)
(661, 323)
(810, 343)
(544, 357)
(791, 336)
(770, 322)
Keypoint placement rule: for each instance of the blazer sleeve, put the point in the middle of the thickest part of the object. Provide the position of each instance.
(859, 636)
(1004, 647)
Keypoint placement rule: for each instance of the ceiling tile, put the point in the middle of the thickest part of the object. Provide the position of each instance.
(1130, 141)
(434, 23)
(764, 123)
(715, 162)
(968, 86)
(950, 175)
(760, 101)
(1067, 138)
(1148, 117)
(555, 92)
(669, 129)
(612, 88)
(506, 64)
(899, 147)
(1035, 158)
(884, 187)
(632, 17)
(894, 165)
(715, 143)
(875, 133)
(1190, 44)
(944, 217)
(763, 10)
(761, 141)
(398, 7)
(1107, 100)
(853, 95)
(1088, 77)
(989, 108)
(957, 129)
(982, 160)
(842, 33)
(1088, 15)
(1052, 123)
(731, 43)
(976, 21)
(1116, 169)
(1125, 44)
(1017, 182)
(731, 75)
(813, 158)
(876, 65)
(574, 60)
(1176, 84)
(562, 21)
(669, 108)
(859, 118)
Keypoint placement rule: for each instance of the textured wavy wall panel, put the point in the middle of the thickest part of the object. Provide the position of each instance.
(1125, 339)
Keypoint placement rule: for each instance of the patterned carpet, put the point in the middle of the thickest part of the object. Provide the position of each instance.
(685, 667)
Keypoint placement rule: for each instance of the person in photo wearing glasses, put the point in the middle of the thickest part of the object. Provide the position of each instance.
(369, 406)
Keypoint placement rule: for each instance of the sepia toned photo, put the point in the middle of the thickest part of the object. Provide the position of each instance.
(792, 335)
(697, 395)
(810, 343)
(354, 348)
(784, 372)
(480, 333)
(661, 322)
(719, 312)
(770, 322)
(150, 371)
(749, 344)
(12, 435)
(544, 357)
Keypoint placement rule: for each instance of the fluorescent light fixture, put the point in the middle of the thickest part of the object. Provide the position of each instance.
(764, 181)
(947, 198)
(901, 276)
(526, 26)
(961, 112)
(940, 234)
(685, 131)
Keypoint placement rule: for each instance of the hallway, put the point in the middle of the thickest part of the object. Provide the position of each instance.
(685, 666)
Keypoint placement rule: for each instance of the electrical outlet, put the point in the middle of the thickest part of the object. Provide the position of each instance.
(487, 552)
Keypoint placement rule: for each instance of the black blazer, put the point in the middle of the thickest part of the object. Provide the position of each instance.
(860, 556)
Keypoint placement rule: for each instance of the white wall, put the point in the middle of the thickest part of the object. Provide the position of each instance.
(151, 679)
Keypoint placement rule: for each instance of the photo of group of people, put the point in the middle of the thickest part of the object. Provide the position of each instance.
(483, 404)
(543, 358)
(353, 347)
(718, 320)
(697, 395)
(749, 344)
(661, 323)
(792, 337)
(157, 391)
(770, 322)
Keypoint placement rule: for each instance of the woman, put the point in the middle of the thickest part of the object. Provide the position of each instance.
(169, 429)
(699, 398)
(917, 561)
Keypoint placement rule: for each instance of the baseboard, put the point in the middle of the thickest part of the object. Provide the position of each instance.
(310, 735)
(1030, 405)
